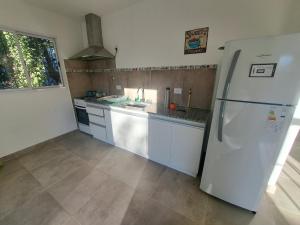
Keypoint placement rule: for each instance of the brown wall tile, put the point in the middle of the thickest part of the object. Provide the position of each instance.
(136, 79)
(75, 64)
(118, 78)
(201, 81)
(102, 64)
(202, 84)
(79, 83)
(160, 80)
(101, 82)
(155, 82)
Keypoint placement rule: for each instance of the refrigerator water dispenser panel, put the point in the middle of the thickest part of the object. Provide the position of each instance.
(263, 70)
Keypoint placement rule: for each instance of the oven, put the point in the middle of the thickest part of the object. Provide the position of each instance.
(82, 115)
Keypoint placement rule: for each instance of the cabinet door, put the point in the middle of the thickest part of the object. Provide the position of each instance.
(186, 148)
(130, 132)
(108, 125)
(98, 132)
(159, 141)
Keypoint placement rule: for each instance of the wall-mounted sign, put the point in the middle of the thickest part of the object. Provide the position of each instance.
(263, 70)
(196, 41)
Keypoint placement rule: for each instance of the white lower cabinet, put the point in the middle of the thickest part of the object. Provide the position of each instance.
(97, 119)
(175, 145)
(94, 111)
(98, 132)
(108, 125)
(130, 132)
(160, 141)
(186, 148)
(97, 123)
(169, 143)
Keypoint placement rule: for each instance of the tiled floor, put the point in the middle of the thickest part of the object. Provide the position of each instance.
(78, 180)
(287, 193)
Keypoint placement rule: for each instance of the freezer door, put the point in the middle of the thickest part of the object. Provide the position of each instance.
(252, 82)
(238, 166)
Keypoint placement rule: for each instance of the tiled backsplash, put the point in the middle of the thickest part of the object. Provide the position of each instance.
(79, 82)
(200, 79)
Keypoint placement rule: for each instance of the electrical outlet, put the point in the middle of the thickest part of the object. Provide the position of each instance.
(118, 87)
(178, 91)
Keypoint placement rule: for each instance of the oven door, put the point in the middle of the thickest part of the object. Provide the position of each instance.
(82, 115)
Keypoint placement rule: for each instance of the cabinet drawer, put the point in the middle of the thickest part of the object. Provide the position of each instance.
(98, 132)
(97, 119)
(95, 111)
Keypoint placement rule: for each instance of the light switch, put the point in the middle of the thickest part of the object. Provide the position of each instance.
(118, 87)
(178, 91)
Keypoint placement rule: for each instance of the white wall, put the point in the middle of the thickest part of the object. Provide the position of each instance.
(151, 33)
(292, 20)
(33, 116)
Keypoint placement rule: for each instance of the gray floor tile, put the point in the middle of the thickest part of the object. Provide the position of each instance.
(16, 189)
(83, 189)
(134, 211)
(41, 210)
(108, 205)
(143, 210)
(74, 139)
(66, 186)
(43, 155)
(93, 151)
(123, 165)
(181, 193)
(9, 167)
(56, 170)
(150, 175)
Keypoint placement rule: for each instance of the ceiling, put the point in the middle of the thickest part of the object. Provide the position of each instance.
(78, 8)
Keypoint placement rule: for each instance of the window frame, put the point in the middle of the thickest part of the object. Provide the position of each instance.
(53, 39)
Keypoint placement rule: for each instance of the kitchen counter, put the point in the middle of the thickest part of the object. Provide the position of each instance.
(190, 116)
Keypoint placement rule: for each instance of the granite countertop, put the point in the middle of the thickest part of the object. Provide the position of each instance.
(190, 116)
(182, 113)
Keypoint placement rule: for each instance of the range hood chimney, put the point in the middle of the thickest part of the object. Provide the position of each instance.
(95, 48)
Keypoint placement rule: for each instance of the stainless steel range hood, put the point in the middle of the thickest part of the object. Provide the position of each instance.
(95, 48)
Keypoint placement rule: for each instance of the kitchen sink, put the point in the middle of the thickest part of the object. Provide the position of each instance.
(113, 98)
(136, 105)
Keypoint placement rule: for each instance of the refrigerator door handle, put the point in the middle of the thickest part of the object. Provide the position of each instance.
(225, 92)
(221, 118)
(230, 73)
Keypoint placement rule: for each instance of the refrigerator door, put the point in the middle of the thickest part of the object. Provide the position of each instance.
(238, 167)
(266, 70)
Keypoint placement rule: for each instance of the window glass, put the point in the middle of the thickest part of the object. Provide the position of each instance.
(41, 60)
(27, 61)
(12, 74)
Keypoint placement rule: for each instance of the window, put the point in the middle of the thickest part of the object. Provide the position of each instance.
(27, 61)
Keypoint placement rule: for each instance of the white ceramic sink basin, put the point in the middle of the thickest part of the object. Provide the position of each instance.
(114, 98)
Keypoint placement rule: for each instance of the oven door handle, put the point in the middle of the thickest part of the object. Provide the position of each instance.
(80, 107)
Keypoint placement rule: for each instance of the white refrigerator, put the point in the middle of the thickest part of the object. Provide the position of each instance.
(258, 89)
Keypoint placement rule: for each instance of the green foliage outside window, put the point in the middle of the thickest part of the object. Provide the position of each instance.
(27, 61)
